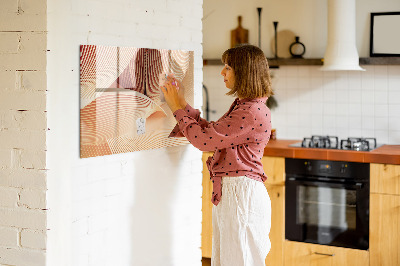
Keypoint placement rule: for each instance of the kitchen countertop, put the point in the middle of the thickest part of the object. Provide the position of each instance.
(389, 154)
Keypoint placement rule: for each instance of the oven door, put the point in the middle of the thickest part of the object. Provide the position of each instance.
(327, 213)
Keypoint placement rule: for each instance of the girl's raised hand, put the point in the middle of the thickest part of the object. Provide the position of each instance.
(181, 93)
(171, 94)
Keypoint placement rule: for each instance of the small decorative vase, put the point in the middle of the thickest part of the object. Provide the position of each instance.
(297, 49)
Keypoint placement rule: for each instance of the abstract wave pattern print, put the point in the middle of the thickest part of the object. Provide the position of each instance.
(122, 108)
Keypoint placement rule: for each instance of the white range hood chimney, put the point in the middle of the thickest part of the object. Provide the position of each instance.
(341, 51)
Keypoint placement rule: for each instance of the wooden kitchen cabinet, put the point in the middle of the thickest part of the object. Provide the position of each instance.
(385, 215)
(274, 168)
(206, 225)
(385, 178)
(384, 236)
(277, 233)
(305, 254)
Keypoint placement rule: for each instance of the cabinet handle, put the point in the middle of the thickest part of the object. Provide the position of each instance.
(324, 254)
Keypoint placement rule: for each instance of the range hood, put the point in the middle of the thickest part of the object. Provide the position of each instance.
(341, 51)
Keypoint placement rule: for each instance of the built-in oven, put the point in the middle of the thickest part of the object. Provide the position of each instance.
(327, 202)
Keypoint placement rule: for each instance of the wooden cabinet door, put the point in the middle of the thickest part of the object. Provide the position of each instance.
(206, 226)
(385, 178)
(274, 168)
(384, 236)
(304, 254)
(277, 233)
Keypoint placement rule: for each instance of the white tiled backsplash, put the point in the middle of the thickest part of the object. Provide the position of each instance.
(314, 102)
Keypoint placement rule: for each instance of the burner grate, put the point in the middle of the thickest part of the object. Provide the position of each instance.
(332, 142)
(327, 142)
(358, 144)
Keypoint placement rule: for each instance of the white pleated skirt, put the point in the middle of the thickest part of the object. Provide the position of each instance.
(241, 223)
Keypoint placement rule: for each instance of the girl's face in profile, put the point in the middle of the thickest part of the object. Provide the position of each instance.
(229, 76)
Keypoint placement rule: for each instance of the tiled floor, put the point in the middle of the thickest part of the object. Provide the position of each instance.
(206, 261)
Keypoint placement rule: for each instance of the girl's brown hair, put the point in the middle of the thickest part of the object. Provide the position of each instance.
(250, 66)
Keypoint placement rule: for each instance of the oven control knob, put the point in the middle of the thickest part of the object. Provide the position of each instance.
(343, 168)
(308, 166)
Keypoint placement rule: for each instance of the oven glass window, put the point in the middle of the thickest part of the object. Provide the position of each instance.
(326, 207)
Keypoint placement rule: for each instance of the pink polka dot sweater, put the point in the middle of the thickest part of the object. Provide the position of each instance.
(238, 139)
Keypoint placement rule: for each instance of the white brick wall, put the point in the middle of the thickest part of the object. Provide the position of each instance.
(8, 197)
(9, 237)
(140, 208)
(23, 178)
(23, 132)
(33, 239)
(99, 206)
(97, 196)
(11, 256)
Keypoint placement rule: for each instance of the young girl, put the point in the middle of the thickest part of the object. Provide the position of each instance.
(242, 209)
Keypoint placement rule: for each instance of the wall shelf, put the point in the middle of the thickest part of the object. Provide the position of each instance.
(274, 63)
(380, 61)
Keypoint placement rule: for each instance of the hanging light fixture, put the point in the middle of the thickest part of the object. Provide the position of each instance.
(341, 51)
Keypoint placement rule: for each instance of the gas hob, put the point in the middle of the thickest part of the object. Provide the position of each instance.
(332, 142)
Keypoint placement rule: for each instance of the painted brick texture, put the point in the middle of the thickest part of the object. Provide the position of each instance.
(139, 208)
(23, 125)
(33, 239)
(9, 237)
(23, 15)
(105, 190)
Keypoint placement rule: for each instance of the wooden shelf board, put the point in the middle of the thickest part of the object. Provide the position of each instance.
(295, 61)
(275, 62)
(380, 61)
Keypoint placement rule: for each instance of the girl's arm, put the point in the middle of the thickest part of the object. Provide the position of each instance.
(174, 95)
(238, 128)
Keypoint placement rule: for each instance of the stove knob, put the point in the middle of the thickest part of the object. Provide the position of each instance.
(308, 166)
(343, 168)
